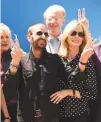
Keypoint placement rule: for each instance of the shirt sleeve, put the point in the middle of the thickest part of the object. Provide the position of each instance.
(90, 91)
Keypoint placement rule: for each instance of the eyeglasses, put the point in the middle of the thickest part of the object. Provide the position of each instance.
(56, 19)
(39, 33)
(80, 34)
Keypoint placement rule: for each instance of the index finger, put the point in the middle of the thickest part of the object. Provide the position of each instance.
(12, 43)
(17, 43)
(54, 94)
(79, 14)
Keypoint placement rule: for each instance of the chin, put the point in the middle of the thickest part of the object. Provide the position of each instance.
(42, 47)
(4, 49)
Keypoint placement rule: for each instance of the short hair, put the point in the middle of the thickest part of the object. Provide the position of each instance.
(5, 28)
(32, 26)
(54, 8)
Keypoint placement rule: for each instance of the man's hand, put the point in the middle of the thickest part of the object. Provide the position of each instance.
(82, 18)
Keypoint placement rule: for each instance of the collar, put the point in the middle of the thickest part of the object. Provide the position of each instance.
(32, 57)
(58, 38)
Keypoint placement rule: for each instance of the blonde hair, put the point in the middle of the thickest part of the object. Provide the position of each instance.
(54, 8)
(64, 47)
(4, 28)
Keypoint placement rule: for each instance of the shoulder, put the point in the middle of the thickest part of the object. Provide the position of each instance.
(54, 58)
(25, 57)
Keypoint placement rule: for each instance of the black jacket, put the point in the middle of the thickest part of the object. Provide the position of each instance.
(9, 87)
(39, 77)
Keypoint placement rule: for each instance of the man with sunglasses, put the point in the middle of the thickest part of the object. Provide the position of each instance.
(38, 78)
(54, 17)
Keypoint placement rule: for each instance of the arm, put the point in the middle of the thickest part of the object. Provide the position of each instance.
(90, 90)
(16, 54)
(58, 96)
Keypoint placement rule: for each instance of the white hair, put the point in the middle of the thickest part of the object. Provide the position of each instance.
(5, 28)
(54, 8)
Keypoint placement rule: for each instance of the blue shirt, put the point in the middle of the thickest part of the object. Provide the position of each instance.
(53, 45)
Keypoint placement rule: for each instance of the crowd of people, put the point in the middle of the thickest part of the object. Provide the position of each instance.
(59, 79)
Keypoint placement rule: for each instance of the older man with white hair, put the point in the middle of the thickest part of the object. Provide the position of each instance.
(54, 17)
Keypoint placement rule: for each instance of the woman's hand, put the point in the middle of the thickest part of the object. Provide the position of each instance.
(16, 52)
(58, 96)
(88, 51)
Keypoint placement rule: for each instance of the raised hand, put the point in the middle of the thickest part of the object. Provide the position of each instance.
(98, 42)
(82, 18)
(58, 96)
(16, 52)
(88, 50)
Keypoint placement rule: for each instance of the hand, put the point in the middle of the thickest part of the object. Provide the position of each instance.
(16, 52)
(98, 43)
(58, 96)
(88, 50)
(82, 19)
(6, 120)
(77, 94)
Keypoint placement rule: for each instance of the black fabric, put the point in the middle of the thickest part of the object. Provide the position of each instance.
(32, 82)
(10, 88)
(82, 118)
(95, 105)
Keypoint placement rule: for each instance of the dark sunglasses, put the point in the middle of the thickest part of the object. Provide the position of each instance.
(39, 33)
(80, 34)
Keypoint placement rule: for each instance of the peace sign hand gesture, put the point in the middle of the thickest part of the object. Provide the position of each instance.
(88, 50)
(82, 18)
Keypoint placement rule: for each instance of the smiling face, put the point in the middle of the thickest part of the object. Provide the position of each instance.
(4, 39)
(76, 36)
(54, 21)
(38, 36)
(54, 18)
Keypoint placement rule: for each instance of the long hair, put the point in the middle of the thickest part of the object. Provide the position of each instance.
(64, 47)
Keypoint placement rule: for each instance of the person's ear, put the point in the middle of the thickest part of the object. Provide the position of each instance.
(28, 37)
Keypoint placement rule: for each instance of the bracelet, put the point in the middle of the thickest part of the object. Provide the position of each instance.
(16, 66)
(82, 63)
(73, 92)
(7, 118)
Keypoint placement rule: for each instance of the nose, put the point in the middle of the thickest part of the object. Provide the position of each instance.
(76, 36)
(53, 20)
(43, 36)
(4, 39)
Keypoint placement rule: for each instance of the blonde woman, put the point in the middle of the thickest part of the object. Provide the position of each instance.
(74, 44)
